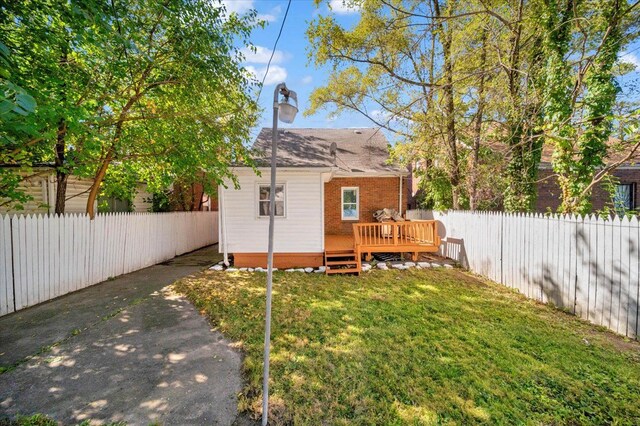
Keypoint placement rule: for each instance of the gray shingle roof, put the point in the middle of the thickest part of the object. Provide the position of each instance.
(358, 150)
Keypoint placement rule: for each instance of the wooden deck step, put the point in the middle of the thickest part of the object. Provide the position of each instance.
(346, 253)
(341, 262)
(343, 271)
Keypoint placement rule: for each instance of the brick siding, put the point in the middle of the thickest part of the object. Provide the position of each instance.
(549, 191)
(375, 193)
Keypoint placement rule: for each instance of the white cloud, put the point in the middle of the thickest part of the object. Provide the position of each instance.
(238, 6)
(386, 117)
(631, 58)
(380, 116)
(262, 54)
(307, 79)
(343, 7)
(267, 17)
(272, 16)
(277, 74)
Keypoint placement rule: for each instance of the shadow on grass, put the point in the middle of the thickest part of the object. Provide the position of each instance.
(418, 347)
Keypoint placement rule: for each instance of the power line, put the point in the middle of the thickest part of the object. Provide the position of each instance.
(264, 77)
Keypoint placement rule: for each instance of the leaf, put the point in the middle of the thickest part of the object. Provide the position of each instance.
(6, 106)
(26, 102)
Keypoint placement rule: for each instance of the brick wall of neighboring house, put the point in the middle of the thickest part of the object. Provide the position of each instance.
(375, 193)
(549, 191)
(186, 197)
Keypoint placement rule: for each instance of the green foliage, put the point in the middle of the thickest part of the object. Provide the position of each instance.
(436, 189)
(419, 70)
(418, 347)
(15, 105)
(156, 89)
(15, 102)
(580, 100)
(34, 420)
(160, 202)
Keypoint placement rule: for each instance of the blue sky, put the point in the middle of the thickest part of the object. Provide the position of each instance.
(291, 64)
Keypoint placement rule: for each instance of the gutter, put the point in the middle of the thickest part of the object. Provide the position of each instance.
(289, 169)
(400, 196)
(222, 231)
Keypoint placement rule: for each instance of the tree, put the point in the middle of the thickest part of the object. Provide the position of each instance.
(157, 86)
(15, 103)
(400, 66)
(580, 95)
(430, 67)
(55, 45)
(454, 80)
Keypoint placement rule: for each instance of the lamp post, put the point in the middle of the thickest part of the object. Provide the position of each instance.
(286, 112)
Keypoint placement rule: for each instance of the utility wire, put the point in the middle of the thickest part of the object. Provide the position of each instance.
(264, 77)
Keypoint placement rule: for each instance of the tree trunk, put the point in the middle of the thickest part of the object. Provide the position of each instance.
(95, 187)
(520, 192)
(61, 173)
(111, 152)
(449, 109)
(477, 131)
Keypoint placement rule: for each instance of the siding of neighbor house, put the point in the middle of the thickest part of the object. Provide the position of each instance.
(549, 191)
(299, 232)
(375, 193)
(42, 187)
(142, 200)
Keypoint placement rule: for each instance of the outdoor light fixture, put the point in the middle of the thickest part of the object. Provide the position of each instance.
(286, 112)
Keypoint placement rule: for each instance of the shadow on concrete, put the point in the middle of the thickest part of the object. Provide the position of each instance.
(131, 351)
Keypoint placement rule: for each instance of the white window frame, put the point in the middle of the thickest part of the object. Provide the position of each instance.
(632, 201)
(350, 188)
(284, 209)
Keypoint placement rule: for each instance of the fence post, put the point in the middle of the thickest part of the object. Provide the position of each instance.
(13, 266)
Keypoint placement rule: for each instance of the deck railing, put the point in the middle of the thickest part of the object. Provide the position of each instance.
(413, 233)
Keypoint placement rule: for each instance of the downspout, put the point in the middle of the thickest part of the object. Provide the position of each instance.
(222, 234)
(322, 209)
(400, 197)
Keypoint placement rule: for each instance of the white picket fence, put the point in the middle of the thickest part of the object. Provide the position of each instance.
(588, 266)
(43, 257)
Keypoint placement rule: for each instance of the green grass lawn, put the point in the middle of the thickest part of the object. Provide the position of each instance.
(419, 347)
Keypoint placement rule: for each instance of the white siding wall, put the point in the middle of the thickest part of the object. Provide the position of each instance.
(33, 184)
(301, 231)
(142, 200)
(41, 185)
(77, 195)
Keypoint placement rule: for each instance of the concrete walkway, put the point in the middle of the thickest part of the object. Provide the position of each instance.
(123, 350)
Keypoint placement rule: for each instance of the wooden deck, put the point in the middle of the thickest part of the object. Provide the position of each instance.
(393, 237)
(396, 237)
(339, 243)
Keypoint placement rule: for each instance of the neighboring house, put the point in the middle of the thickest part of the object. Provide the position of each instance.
(191, 197)
(626, 190)
(327, 180)
(626, 186)
(40, 183)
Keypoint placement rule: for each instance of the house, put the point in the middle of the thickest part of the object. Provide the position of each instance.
(39, 182)
(622, 197)
(327, 181)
